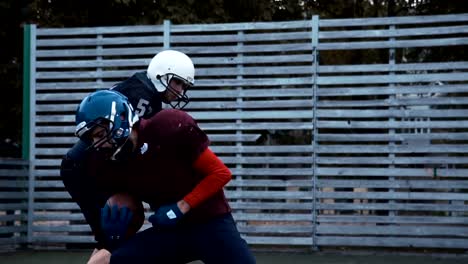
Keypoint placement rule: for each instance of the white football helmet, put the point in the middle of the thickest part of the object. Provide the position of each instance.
(170, 64)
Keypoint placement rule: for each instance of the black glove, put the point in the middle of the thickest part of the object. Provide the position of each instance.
(114, 223)
(166, 216)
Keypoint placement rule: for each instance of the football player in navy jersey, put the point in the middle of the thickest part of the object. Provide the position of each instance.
(168, 77)
(166, 161)
(146, 90)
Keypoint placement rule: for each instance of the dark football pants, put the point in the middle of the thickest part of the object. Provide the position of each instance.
(215, 242)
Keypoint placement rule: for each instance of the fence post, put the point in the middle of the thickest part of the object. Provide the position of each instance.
(167, 34)
(315, 56)
(29, 109)
(26, 87)
(239, 100)
(392, 131)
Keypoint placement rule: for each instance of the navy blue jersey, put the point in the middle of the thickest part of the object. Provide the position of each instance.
(82, 187)
(141, 93)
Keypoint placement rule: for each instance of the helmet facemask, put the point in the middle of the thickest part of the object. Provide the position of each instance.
(105, 120)
(175, 66)
(181, 98)
(110, 139)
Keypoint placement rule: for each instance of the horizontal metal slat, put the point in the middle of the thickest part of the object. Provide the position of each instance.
(393, 242)
(393, 160)
(413, 20)
(399, 67)
(392, 124)
(99, 41)
(390, 172)
(199, 62)
(201, 73)
(392, 79)
(383, 183)
(392, 32)
(150, 50)
(352, 219)
(73, 31)
(413, 230)
(365, 206)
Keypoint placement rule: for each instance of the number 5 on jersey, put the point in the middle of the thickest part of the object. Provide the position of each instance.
(142, 107)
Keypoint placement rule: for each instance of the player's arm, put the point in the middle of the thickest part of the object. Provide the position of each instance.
(194, 149)
(74, 178)
(214, 173)
(216, 176)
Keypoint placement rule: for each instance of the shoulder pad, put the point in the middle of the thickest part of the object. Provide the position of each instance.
(78, 151)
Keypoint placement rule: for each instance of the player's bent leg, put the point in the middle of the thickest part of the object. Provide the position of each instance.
(148, 246)
(219, 241)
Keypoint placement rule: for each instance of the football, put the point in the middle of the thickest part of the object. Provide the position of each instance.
(136, 206)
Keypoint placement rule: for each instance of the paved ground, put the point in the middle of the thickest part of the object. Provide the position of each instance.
(56, 257)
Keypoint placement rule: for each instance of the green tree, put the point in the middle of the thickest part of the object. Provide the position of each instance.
(10, 69)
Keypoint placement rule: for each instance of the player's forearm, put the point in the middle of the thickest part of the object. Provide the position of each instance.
(87, 199)
(217, 175)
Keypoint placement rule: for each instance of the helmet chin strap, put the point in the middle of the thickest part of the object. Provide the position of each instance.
(182, 99)
(124, 151)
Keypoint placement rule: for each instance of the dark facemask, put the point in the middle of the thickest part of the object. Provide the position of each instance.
(101, 154)
(124, 153)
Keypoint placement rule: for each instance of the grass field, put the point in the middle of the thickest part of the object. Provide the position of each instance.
(75, 257)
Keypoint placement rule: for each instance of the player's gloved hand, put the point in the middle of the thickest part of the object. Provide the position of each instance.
(114, 223)
(166, 216)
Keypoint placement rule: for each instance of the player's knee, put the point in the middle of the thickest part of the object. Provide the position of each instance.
(118, 257)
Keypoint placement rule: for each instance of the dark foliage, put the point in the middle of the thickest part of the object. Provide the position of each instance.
(74, 13)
